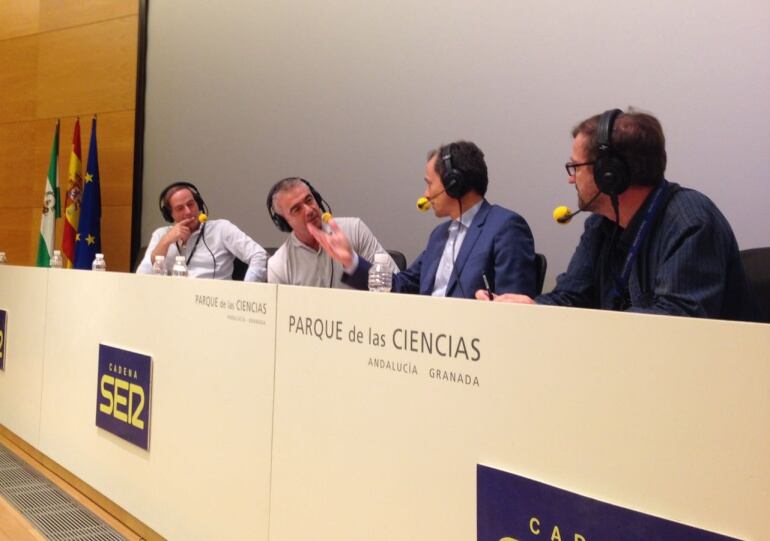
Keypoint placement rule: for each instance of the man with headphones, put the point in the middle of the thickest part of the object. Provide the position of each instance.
(209, 247)
(295, 206)
(481, 242)
(651, 246)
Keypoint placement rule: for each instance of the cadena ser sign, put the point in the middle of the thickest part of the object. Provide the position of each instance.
(123, 394)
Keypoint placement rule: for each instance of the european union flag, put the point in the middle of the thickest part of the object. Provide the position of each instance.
(89, 239)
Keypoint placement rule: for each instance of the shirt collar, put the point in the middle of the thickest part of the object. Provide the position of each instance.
(299, 244)
(467, 217)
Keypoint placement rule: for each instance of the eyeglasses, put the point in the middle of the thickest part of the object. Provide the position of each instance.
(572, 167)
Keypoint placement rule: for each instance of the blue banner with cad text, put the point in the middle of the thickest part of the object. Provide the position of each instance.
(123, 394)
(514, 508)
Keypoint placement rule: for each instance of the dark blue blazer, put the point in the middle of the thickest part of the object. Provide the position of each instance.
(498, 243)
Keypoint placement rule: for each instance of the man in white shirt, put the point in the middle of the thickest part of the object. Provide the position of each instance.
(293, 203)
(209, 246)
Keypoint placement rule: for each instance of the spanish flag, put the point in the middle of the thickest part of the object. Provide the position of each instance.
(72, 200)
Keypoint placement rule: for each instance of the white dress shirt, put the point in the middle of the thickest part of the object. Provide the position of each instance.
(213, 258)
(454, 242)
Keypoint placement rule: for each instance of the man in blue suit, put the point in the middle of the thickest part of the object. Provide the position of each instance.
(481, 241)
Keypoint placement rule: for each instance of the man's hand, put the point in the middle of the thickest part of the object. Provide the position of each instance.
(335, 243)
(180, 231)
(483, 295)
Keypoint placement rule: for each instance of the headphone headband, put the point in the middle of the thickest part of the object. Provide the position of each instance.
(604, 129)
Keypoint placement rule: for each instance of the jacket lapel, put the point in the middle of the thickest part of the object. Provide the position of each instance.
(433, 257)
(471, 236)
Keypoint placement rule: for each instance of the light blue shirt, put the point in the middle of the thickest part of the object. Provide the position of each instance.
(454, 242)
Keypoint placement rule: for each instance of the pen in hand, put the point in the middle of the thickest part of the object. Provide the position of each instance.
(486, 285)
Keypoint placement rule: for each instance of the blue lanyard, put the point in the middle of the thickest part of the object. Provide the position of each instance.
(621, 283)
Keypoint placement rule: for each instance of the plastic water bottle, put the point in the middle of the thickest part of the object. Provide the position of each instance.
(159, 267)
(380, 275)
(180, 268)
(3, 259)
(99, 263)
(56, 260)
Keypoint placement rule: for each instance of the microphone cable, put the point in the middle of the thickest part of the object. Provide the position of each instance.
(455, 270)
(213, 259)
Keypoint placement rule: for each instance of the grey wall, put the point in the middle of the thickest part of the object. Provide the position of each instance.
(351, 95)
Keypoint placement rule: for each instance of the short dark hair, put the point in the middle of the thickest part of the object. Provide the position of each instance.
(466, 158)
(280, 187)
(637, 138)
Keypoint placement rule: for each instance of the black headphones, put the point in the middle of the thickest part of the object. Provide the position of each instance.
(163, 204)
(453, 179)
(611, 172)
(279, 221)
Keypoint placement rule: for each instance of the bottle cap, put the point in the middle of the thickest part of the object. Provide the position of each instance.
(180, 259)
(381, 258)
(159, 258)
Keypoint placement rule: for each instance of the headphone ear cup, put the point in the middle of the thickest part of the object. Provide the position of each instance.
(455, 184)
(166, 213)
(281, 223)
(277, 219)
(610, 170)
(450, 184)
(453, 180)
(611, 175)
(162, 205)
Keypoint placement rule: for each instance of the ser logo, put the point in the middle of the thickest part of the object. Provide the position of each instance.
(122, 399)
(123, 394)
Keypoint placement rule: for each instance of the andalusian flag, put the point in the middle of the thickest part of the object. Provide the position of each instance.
(51, 206)
(89, 239)
(72, 200)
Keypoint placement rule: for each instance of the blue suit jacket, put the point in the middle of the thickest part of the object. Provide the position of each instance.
(498, 243)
